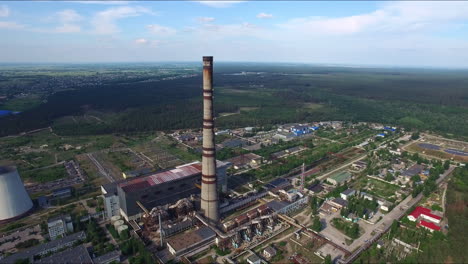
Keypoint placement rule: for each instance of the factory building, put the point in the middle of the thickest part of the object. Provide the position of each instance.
(156, 189)
(59, 226)
(15, 201)
(187, 241)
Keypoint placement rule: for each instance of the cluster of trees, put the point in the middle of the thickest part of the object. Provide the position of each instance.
(315, 202)
(286, 165)
(316, 224)
(266, 151)
(227, 153)
(430, 185)
(97, 236)
(174, 104)
(349, 229)
(137, 250)
(360, 207)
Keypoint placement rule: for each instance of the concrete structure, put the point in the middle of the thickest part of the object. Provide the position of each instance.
(347, 194)
(15, 201)
(338, 203)
(269, 252)
(254, 259)
(245, 160)
(122, 228)
(209, 193)
(73, 255)
(184, 242)
(45, 249)
(111, 200)
(111, 257)
(59, 226)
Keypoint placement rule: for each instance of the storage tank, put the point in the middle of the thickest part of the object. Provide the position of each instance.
(118, 223)
(122, 228)
(14, 200)
(115, 218)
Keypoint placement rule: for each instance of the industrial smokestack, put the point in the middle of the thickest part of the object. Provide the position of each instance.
(209, 194)
(14, 201)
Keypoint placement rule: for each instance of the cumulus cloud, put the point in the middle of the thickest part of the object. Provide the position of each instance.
(68, 19)
(69, 15)
(264, 15)
(4, 11)
(205, 19)
(10, 25)
(219, 3)
(160, 30)
(104, 22)
(141, 41)
(395, 17)
(68, 28)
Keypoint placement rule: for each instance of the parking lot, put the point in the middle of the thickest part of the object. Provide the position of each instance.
(8, 242)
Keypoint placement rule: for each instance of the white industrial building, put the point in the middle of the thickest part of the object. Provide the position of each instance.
(59, 226)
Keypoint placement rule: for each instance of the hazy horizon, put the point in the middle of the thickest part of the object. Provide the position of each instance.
(360, 33)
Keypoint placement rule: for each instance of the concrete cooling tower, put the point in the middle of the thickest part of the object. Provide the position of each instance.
(14, 200)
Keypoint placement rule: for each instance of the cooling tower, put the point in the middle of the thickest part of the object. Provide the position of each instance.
(209, 192)
(14, 200)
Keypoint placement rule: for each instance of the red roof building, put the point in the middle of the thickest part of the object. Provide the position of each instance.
(424, 213)
(429, 226)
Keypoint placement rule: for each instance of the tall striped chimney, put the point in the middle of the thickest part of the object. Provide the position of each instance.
(209, 194)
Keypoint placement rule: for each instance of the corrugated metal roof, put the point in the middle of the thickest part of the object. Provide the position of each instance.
(165, 176)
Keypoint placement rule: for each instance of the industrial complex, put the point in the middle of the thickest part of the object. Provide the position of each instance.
(274, 196)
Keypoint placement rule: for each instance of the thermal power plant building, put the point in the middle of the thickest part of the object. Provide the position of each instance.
(15, 201)
(209, 192)
(156, 189)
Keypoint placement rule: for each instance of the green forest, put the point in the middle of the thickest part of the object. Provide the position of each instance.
(434, 100)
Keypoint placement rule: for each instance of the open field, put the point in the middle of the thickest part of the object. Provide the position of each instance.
(441, 148)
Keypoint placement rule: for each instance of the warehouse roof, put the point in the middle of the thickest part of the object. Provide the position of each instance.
(429, 225)
(165, 176)
(188, 239)
(424, 211)
(77, 254)
(341, 177)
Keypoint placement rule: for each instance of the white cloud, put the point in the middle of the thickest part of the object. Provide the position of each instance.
(264, 15)
(68, 20)
(68, 16)
(4, 11)
(141, 41)
(219, 3)
(67, 28)
(205, 19)
(160, 30)
(104, 22)
(394, 17)
(10, 25)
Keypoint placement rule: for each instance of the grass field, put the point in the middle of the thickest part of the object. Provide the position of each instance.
(45, 175)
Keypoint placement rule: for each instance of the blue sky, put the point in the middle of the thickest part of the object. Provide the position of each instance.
(407, 33)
